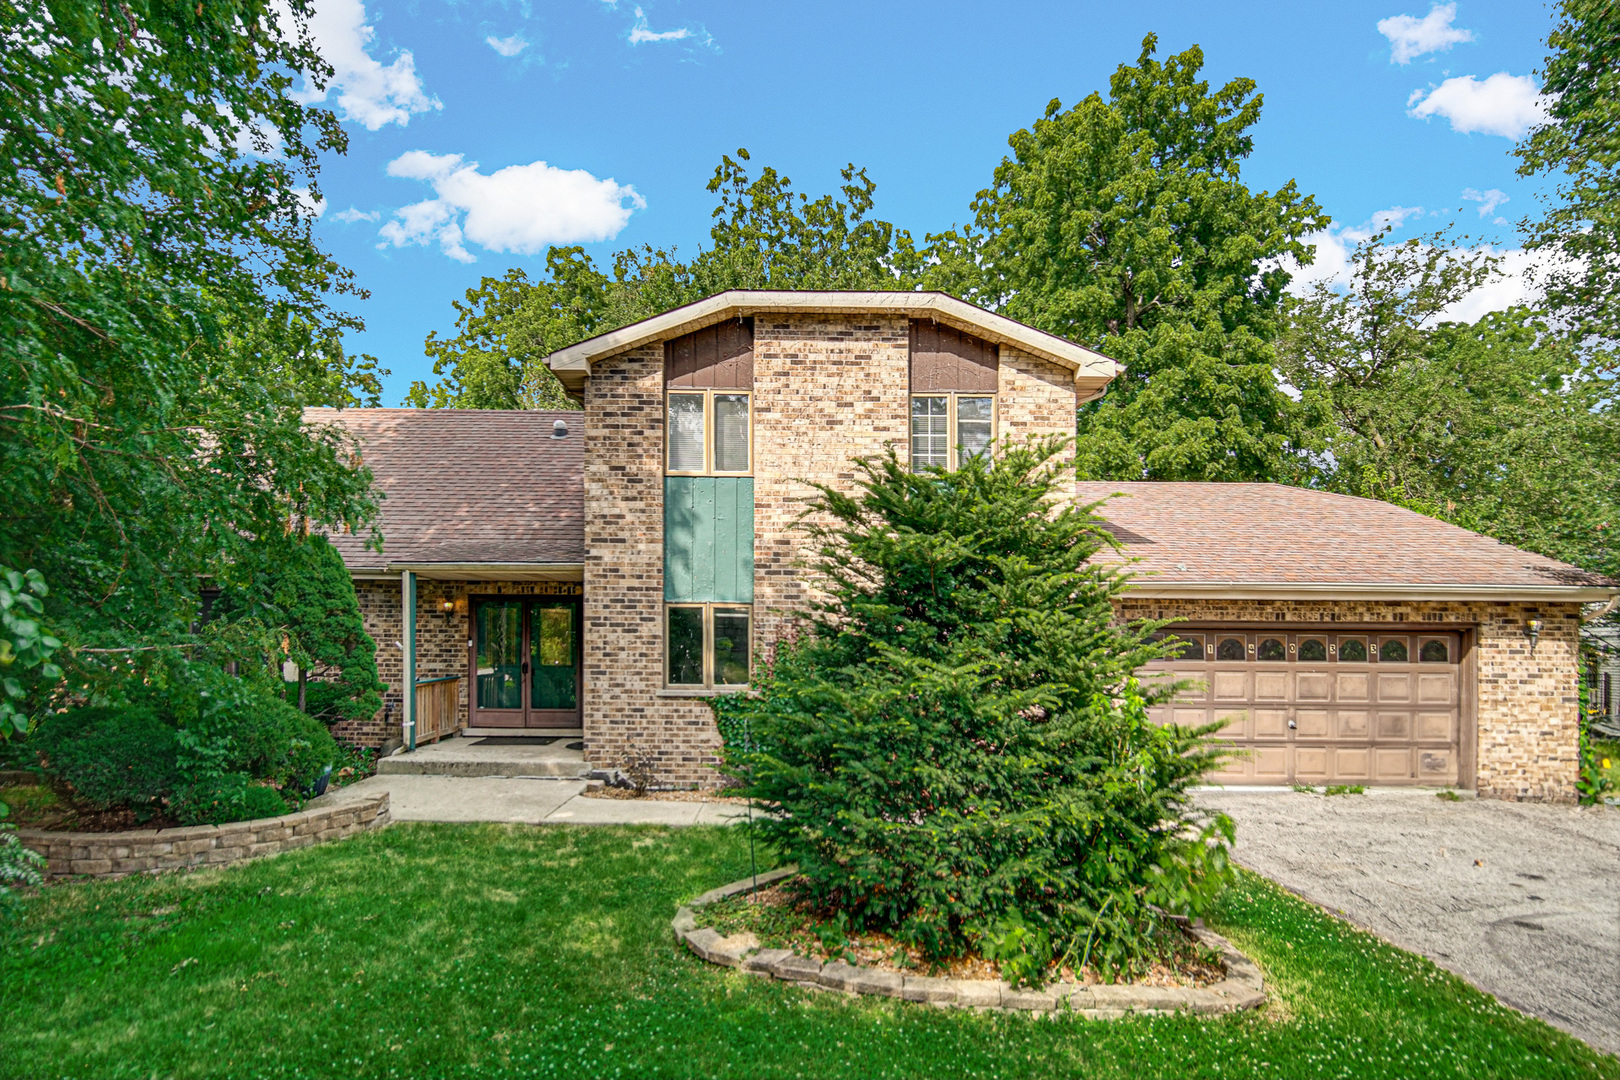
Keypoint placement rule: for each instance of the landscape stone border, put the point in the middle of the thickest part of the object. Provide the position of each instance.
(1243, 987)
(150, 851)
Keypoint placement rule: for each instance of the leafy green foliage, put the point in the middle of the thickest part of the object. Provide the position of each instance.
(157, 175)
(307, 596)
(111, 757)
(26, 647)
(959, 741)
(1124, 224)
(1496, 426)
(224, 797)
(765, 236)
(1579, 144)
(19, 866)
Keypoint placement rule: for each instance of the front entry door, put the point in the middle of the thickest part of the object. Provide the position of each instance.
(525, 663)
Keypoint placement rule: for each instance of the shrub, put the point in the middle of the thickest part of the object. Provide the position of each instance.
(958, 745)
(225, 797)
(110, 756)
(310, 749)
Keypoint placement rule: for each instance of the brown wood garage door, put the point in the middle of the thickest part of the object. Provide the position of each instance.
(1325, 706)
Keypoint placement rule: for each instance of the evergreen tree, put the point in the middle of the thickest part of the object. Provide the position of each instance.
(958, 745)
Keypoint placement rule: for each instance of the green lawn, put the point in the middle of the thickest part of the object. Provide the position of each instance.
(491, 951)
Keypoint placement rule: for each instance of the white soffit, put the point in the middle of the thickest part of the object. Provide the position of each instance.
(1092, 371)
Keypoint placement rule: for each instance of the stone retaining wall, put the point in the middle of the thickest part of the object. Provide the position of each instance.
(149, 851)
(1243, 987)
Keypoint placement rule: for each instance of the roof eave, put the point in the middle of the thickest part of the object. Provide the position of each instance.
(1092, 371)
(1223, 590)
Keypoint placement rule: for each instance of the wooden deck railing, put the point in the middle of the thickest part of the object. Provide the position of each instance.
(438, 708)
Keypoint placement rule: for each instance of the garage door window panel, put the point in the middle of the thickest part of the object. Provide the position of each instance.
(1272, 650)
(1353, 650)
(1434, 651)
(1231, 648)
(1313, 650)
(1392, 651)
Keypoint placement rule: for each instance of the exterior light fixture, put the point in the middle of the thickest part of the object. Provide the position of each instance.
(1532, 630)
(447, 605)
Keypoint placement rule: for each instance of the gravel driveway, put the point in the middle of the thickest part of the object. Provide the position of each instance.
(1520, 899)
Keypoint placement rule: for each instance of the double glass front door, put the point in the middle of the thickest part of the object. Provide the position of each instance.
(525, 663)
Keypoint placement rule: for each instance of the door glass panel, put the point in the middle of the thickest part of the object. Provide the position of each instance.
(1191, 647)
(730, 646)
(1312, 649)
(1272, 649)
(975, 416)
(551, 638)
(1229, 649)
(499, 643)
(1434, 652)
(686, 433)
(930, 432)
(685, 643)
(731, 433)
(1392, 650)
(1353, 650)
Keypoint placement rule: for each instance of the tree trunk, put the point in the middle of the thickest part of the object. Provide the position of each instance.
(303, 680)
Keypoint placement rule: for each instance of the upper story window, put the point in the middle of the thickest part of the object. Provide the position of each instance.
(710, 433)
(953, 395)
(709, 377)
(947, 429)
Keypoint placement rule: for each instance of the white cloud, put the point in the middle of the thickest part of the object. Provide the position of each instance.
(309, 205)
(1410, 38)
(1395, 216)
(507, 46)
(521, 208)
(352, 215)
(364, 90)
(1502, 104)
(1488, 200)
(641, 32)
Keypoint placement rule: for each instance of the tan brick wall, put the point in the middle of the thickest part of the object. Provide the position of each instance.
(624, 579)
(1526, 703)
(1034, 396)
(379, 610)
(826, 390)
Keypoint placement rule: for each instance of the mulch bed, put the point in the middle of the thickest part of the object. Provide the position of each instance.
(699, 796)
(782, 918)
(38, 808)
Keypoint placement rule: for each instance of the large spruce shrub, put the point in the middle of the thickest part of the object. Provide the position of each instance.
(958, 746)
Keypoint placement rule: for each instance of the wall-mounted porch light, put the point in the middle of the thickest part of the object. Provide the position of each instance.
(1532, 630)
(447, 605)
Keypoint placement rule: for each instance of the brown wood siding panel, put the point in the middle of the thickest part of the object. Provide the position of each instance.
(943, 358)
(719, 357)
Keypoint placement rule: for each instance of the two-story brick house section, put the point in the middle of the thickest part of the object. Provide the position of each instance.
(645, 553)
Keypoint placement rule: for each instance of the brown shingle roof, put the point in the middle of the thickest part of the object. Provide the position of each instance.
(469, 485)
(1243, 536)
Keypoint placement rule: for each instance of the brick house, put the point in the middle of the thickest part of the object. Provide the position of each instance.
(603, 572)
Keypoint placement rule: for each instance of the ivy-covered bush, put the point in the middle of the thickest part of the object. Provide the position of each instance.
(958, 746)
(111, 757)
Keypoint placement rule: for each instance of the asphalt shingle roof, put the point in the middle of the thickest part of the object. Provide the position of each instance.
(1270, 534)
(469, 485)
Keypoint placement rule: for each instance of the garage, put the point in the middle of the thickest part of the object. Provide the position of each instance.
(1326, 704)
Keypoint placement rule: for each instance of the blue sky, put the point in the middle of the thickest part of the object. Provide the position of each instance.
(482, 130)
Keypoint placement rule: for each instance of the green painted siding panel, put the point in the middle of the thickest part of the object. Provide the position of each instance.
(709, 539)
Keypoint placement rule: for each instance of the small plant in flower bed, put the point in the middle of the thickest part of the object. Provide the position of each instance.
(785, 917)
(958, 745)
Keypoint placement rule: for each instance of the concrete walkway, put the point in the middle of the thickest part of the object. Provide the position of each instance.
(1520, 899)
(529, 800)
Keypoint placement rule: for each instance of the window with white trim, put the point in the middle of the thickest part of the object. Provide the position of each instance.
(949, 428)
(707, 645)
(710, 433)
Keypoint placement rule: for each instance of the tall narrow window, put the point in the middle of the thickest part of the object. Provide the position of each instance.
(686, 435)
(708, 645)
(948, 429)
(710, 432)
(731, 433)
